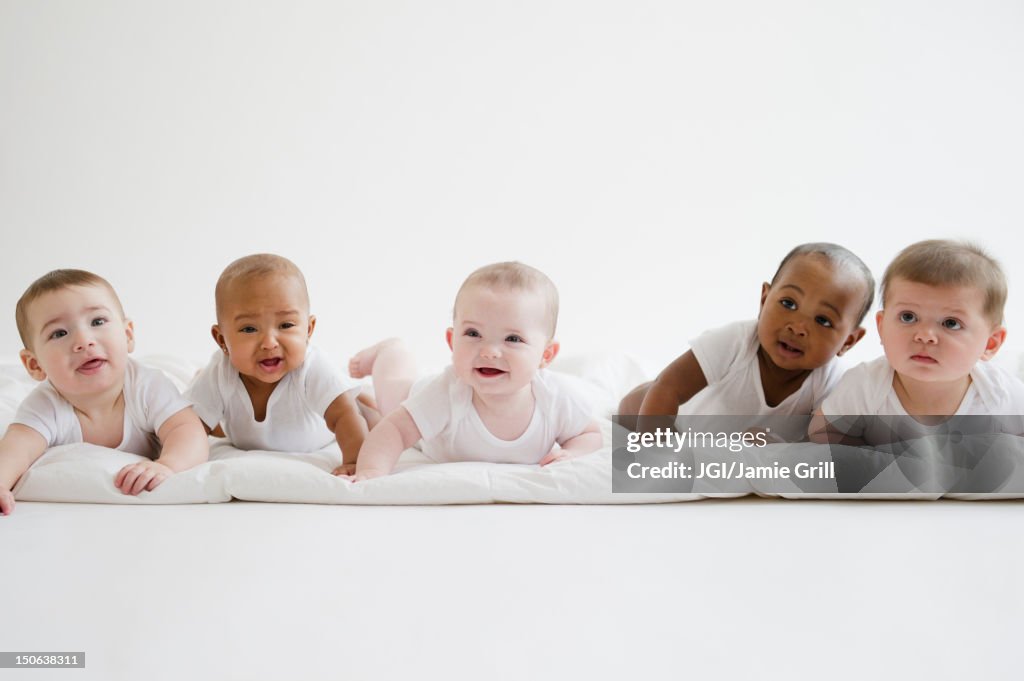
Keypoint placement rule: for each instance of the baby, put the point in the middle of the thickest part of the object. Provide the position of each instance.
(782, 363)
(941, 321)
(77, 340)
(267, 387)
(496, 402)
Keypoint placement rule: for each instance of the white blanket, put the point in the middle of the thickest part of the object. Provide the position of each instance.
(85, 473)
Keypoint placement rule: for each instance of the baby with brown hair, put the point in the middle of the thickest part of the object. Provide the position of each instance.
(941, 321)
(77, 340)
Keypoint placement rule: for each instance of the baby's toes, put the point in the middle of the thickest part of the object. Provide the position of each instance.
(355, 368)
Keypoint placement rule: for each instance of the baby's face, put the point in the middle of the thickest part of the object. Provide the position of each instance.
(264, 326)
(80, 341)
(935, 333)
(809, 315)
(500, 339)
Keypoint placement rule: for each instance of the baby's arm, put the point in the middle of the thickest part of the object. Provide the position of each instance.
(349, 427)
(19, 449)
(385, 443)
(590, 440)
(675, 385)
(183, 446)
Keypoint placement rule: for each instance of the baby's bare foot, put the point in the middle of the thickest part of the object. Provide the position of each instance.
(361, 364)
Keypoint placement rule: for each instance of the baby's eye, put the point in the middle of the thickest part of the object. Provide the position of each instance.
(788, 303)
(824, 321)
(99, 321)
(513, 338)
(59, 333)
(247, 329)
(472, 333)
(288, 325)
(908, 317)
(952, 324)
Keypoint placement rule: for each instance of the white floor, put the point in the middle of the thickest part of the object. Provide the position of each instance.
(714, 589)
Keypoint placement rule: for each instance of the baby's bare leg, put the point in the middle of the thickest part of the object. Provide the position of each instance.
(368, 408)
(393, 369)
(629, 407)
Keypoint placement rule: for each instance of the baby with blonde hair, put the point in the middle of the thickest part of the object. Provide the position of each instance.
(497, 401)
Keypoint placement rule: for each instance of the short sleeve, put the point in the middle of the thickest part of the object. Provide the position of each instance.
(205, 395)
(825, 381)
(431, 406)
(847, 404)
(847, 398)
(40, 411)
(323, 382)
(158, 397)
(718, 349)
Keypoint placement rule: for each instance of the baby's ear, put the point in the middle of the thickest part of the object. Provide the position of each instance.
(448, 337)
(550, 352)
(31, 365)
(995, 341)
(218, 338)
(851, 340)
(129, 331)
(765, 288)
(312, 325)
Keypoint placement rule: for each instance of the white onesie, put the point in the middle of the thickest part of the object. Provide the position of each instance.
(442, 408)
(728, 358)
(867, 390)
(294, 421)
(150, 398)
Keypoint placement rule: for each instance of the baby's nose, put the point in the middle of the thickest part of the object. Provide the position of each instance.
(84, 339)
(490, 350)
(798, 328)
(269, 340)
(926, 334)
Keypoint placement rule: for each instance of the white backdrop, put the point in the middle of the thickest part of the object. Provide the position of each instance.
(655, 158)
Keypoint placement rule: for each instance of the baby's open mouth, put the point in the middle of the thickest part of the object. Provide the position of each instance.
(92, 365)
(271, 364)
(489, 371)
(924, 359)
(789, 350)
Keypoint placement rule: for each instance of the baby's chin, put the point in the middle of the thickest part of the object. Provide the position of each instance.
(86, 386)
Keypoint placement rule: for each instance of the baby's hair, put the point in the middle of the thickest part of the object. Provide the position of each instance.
(255, 266)
(518, 277)
(56, 280)
(944, 262)
(837, 255)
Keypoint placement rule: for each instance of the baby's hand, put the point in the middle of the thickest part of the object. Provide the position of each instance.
(137, 477)
(346, 470)
(6, 502)
(556, 454)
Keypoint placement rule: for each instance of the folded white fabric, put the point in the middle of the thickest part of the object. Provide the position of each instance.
(85, 473)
